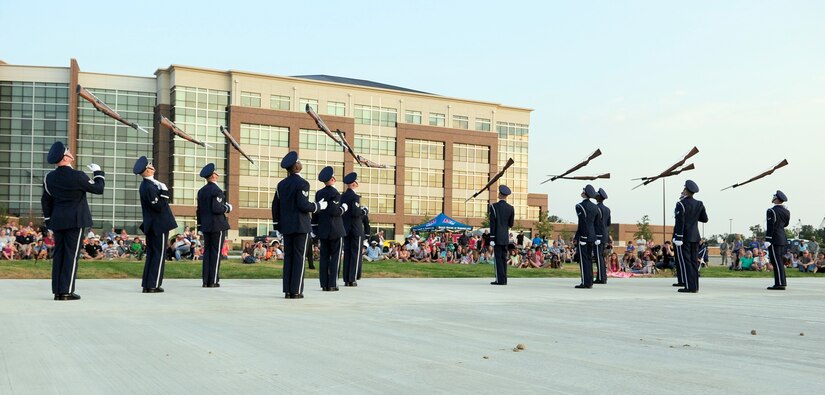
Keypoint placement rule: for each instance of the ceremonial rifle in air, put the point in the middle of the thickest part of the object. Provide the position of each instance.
(180, 133)
(235, 144)
(493, 180)
(102, 107)
(563, 176)
(340, 139)
(672, 170)
(766, 173)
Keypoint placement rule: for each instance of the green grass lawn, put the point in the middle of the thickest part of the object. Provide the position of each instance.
(232, 269)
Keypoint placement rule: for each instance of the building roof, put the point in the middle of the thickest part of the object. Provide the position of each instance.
(355, 81)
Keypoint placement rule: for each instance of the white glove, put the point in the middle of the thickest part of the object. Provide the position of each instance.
(322, 204)
(598, 242)
(229, 206)
(582, 243)
(93, 167)
(492, 243)
(677, 243)
(312, 234)
(345, 207)
(366, 209)
(365, 244)
(162, 186)
(767, 244)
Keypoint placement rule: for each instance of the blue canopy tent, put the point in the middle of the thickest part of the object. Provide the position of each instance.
(441, 222)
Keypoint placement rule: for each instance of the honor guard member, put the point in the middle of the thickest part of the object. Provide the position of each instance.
(158, 220)
(589, 220)
(501, 216)
(354, 226)
(212, 222)
(291, 214)
(66, 213)
(689, 212)
(330, 230)
(775, 239)
(603, 234)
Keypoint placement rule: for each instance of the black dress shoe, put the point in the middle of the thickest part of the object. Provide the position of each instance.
(599, 282)
(693, 291)
(216, 285)
(70, 296)
(204, 286)
(146, 290)
(678, 285)
(584, 286)
(333, 289)
(158, 289)
(287, 296)
(297, 296)
(777, 288)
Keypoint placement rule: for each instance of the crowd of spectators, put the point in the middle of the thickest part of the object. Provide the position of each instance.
(752, 255)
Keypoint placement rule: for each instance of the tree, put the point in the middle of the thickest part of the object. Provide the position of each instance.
(4, 217)
(486, 222)
(807, 232)
(757, 231)
(544, 227)
(643, 229)
(556, 219)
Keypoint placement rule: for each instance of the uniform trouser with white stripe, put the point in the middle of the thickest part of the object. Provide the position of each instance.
(500, 252)
(328, 262)
(295, 245)
(778, 266)
(601, 268)
(586, 263)
(64, 261)
(212, 243)
(352, 256)
(687, 254)
(155, 260)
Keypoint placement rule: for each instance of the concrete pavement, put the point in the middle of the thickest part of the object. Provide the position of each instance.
(413, 336)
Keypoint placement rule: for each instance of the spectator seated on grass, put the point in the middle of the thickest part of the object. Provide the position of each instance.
(746, 261)
(613, 265)
(374, 252)
(182, 247)
(110, 251)
(93, 250)
(513, 257)
(137, 249)
(529, 261)
(277, 252)
(760, 261)
(806, 262)
(248, 254)
(420, 255)
(819, 264)
(40, 250)
(259, 252)
(403, 255)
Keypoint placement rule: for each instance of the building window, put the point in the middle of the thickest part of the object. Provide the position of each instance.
(412, 117)
(471, 153)
(251, 227)
(336, 108)
(483, 124)
(374, 145)
(427, 206)
(461, 122)
(505, 129)
(378, 116)
(317, 140)
(421, 177)
(370, 175)
(251, 99)
(279, 102)
(378, 203)
(476, 208)
(311, 102)
(437, 119)
(424, 149)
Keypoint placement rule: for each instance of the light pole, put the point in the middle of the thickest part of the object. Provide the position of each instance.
(730, 226)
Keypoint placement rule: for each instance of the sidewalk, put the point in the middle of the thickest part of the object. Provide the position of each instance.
(413, 336)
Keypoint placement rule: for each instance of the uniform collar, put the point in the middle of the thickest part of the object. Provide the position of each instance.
(69, 166)
(150, 178)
